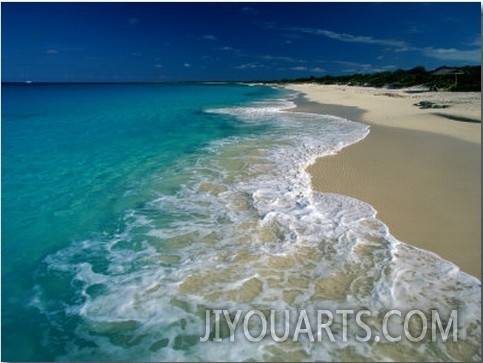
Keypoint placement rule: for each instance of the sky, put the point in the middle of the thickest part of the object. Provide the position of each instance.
(129, 42)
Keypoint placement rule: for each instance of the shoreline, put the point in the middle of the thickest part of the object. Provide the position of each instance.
(419, 168)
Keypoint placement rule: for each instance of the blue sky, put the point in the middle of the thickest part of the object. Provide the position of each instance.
(111, 42)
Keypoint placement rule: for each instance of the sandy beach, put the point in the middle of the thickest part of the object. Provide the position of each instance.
(420, 168)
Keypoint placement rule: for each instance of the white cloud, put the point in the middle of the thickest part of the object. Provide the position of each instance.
(270, 24)
(445, 54)
(318, 70)
(237, 52)
(300, 68)
(350, 38)
(475, 43)
(452, 54)
(304, 69)
(52, 51)
(249, 66)
(280, 58)
(187, 65)
(158, 66)
(353, 67)
(209, 37)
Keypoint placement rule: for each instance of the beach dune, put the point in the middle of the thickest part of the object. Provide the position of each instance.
(419, 167)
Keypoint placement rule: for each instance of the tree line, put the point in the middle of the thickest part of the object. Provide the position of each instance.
(467, 78)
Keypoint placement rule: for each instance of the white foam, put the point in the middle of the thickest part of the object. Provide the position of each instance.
(246, 230)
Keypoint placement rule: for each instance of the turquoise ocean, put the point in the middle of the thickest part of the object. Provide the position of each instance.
(130, 210)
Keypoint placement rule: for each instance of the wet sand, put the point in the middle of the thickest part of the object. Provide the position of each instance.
(419, 168)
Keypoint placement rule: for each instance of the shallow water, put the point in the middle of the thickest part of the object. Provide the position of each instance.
(125, 221)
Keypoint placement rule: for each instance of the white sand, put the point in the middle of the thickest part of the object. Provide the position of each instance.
(419, 169)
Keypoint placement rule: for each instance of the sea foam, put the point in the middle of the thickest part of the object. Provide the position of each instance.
(245, 230)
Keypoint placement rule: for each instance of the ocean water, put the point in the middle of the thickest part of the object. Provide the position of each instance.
(130, 211)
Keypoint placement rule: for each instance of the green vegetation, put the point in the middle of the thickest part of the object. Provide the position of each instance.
(427, 104)
(444, 78)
